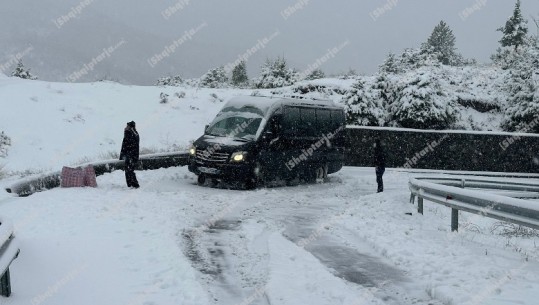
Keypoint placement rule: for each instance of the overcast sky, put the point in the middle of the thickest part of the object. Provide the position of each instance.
(60, 39)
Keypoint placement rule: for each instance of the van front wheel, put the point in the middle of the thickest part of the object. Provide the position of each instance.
(322, 173)
(259, 174)
(201, 179)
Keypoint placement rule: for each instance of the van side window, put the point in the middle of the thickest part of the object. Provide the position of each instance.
(323, 119)
(274, 124)
(308, 122)
(337, 119)
(291, 121)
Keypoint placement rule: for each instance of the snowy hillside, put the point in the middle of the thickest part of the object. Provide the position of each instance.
(55, 124)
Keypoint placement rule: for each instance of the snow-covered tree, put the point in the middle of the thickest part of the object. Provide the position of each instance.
(441, 44)
(22, 72)
(276, 74)
(420, 102)
(316, 74)
(522, 111)
(214, 78)
(239, 74)
(365, 102)
(515, 29)
(5, 142)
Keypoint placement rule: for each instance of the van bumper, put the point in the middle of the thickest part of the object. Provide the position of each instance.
(225, 171)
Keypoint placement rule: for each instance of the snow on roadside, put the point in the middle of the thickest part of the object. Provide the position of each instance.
(113, 245)
(109, 245)
(472, 266)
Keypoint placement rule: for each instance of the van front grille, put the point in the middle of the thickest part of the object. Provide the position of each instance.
(212, 157)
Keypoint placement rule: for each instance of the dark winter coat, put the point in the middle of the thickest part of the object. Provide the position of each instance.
(379, 156)
(130, 145)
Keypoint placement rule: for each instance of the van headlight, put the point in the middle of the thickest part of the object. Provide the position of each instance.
(192, 151)
(238, 156)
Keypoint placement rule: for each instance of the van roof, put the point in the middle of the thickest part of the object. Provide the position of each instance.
(265, 104)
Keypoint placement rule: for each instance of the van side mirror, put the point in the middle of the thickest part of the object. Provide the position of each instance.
(206, 128)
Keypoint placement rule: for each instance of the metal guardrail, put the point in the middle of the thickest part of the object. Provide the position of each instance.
(451, 192)
(8, 252)
(27, 187)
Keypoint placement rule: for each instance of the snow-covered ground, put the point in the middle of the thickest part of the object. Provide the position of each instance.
(173, 242)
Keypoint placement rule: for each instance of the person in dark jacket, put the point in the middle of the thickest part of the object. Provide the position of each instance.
(130, 153)
(379, 164)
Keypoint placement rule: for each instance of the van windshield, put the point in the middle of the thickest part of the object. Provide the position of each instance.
(238, 125)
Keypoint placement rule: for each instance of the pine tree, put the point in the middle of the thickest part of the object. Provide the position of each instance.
(515, 29)
(276, 74)
(214, 78)
(21, 72)
(522, 85)
(239, 74)
(441, 43)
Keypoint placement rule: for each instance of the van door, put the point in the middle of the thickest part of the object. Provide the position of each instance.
(291, 146)
(272, 145)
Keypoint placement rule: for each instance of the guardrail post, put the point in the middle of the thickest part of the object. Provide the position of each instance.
(454, 220)
(5, 286)
(463, 183)
(412, 198)
(420, 205)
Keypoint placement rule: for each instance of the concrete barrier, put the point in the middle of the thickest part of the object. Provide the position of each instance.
(28, 186)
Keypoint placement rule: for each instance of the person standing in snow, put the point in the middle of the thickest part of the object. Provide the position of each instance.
(130, 153)
(379, 164)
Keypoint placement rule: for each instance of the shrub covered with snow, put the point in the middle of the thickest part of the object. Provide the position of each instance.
(276, 74)
(365, 103)
(419, 102)
(170, 81)
(316, 74)
(410, 59)
(5, 142)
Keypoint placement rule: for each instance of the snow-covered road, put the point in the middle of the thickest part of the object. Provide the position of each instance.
(173, 242)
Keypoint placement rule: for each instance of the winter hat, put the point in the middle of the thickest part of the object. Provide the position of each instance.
(131, 124)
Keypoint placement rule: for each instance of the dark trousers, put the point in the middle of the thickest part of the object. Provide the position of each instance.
(379, 173)
(130, 176)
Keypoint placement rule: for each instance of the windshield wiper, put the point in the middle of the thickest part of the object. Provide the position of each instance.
(243, 139)
(212, 134)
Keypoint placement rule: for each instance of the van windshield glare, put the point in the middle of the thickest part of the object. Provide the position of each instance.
(235, 126)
